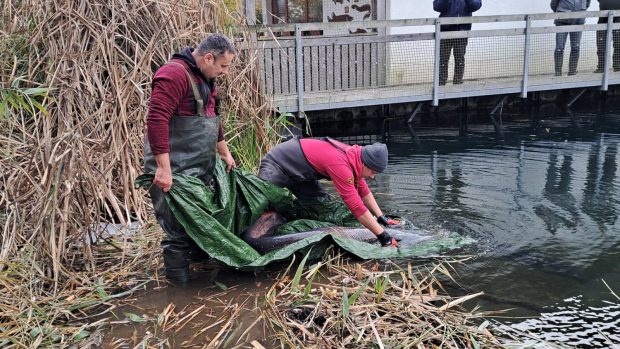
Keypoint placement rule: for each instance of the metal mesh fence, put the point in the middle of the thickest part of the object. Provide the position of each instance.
(487, 61)
(343, 69)
(411, 63)
(562, 55)
(340, 67)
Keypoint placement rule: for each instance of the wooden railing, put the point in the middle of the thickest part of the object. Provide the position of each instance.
(399, 61)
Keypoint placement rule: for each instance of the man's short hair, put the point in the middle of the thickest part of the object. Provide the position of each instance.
(216, 44)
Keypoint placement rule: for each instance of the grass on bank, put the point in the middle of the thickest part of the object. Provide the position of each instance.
(373, 305)
(77, 312)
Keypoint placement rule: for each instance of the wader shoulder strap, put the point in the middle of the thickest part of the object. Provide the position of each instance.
(333, 143)
(197, 97)
(337, 146)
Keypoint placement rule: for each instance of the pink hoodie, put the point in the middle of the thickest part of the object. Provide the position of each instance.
(344, 169)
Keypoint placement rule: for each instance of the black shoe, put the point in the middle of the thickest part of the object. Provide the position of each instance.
(458, 82)
(572, 73)
(598, 70)
(176, 262)
(198, 255)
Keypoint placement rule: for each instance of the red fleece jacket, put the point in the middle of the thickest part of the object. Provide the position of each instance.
(173, 95)
(344, 169)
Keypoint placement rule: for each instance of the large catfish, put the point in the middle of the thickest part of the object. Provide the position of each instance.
(260, 235)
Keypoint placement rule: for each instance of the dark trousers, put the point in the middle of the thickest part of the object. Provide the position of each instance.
(560, 43)
(601, 38)
(448, 47)
(175, 234)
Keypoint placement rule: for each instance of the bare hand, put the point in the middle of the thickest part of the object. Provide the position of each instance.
(163, 179)
(230, 162)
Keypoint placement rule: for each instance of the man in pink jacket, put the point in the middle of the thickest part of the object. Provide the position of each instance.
(299, 164)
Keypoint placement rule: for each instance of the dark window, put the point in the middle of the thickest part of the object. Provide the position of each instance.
(297, 11)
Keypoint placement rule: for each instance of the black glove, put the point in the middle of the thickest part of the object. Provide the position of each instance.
(383, 220)
(386, 221)
(386, 239)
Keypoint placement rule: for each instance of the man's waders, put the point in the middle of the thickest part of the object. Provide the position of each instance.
(192, 142)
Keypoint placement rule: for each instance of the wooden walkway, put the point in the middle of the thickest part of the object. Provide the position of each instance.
(307, 73)
(423, 92)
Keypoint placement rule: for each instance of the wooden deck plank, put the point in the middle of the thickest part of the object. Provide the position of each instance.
(344, 66)
(367, 63)
(307, 69)
(268, 63)
(292, 70)
(277, 79)
(314, 58)
(322, 69)
(337, 67)
(359, 65)
(284, 73)
(374, 62)
(330, 63)
(423, 92)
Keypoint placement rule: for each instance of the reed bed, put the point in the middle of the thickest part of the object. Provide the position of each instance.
(32, 318)
(344, 304)
(74, 88)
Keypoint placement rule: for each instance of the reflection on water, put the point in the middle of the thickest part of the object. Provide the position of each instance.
(577, 324)
(545, 212)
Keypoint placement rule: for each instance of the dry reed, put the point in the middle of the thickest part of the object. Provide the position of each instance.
(70, 152)
(356, 305)
(216, 321)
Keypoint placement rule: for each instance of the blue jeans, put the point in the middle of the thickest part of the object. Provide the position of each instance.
(560, 43)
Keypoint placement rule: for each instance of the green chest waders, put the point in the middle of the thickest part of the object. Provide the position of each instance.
(192, 141)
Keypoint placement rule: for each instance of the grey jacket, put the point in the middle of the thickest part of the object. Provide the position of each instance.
(609, 4)
(569, 6)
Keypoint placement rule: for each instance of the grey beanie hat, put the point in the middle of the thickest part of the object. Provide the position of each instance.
(375, 156)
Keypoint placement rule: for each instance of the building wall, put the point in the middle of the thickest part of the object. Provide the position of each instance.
(402, 9)
(349, 10)
(412, 62)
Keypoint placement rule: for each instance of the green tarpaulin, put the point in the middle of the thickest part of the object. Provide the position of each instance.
(215, 219)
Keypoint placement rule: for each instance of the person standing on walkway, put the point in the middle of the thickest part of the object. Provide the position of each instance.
(575, 37)
(299, 164)
(183, 135)
(454, 8)
(601, 37)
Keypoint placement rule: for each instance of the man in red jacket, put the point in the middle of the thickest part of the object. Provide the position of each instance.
(298, 164)
(183, 136)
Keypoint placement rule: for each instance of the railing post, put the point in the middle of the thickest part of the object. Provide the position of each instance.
(610, 22)
(300, 70)
(526, 57)
(436, 63)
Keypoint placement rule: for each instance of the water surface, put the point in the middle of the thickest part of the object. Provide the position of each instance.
(543, 204)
